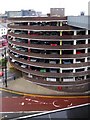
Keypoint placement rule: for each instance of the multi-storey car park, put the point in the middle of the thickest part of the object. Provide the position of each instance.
(50, 53)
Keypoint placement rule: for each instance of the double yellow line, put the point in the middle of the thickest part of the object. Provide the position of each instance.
(44, 96)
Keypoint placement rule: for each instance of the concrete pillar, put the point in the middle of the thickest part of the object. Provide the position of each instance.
(60, 33)
(85, 68)
(86, 50)
(28, 41)
(73, 78)
(86, 42)
(60, 70)
(86, 32)
(74, 42)
(57, 23)
(74, 60)
(28, 23)
(60, 42)
(73, 70)
(60, 50)
(29, 75)
(74, 51)
(60, 23)
(85, 59)
(28, 32)
(85, 77)
(75, 32)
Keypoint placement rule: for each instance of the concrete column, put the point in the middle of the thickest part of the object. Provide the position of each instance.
(28, 41)
(57, 23)
(60, 70)
(85, 68)
(73, 70)
(28, 23)
(74, 78)
(86, 32)
(85, 77)
(86, 50)
(74, 42)
(85, 59)
(74, 60)
(60, 33)
(60, 23)
(75, 32)
(29, 75)
(60, 42)
(60, 61)
(86, 42)
(74, 51)
(60, 50)
(28, 32)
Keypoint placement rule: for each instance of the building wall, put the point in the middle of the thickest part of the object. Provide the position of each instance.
(50, 53)
(79, 21)
(3, 31)
(21, 13)
(57, 12)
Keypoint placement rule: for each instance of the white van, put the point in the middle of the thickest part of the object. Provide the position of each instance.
(33, 60)
(51, 79)
(52, 62)
(69, 79)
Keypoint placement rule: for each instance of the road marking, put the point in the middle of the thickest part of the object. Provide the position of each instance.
(14, 97)
(22, 103)
(55, 104)
(44, 96)
(47, 112)
(23, 112)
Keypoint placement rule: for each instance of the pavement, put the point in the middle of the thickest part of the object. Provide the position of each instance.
(22, 85)
(25, 86)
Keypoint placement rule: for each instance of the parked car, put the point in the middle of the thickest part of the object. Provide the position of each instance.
(16, 56)
(33, 60)
(66, 62)
(43, 70)
(53, 44)
(52, 62)
(53, 71)
(23, 66)
(51, 79)
(78, 52)
(78, 62)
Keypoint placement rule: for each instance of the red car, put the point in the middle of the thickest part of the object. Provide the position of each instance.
(78, 52)
(1, 74)
(53, 44)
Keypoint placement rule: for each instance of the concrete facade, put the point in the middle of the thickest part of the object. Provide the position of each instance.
(60, 12)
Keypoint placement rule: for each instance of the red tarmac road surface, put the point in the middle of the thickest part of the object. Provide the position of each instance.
(36, 103)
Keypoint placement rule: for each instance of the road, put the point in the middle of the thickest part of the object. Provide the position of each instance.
(17, 102)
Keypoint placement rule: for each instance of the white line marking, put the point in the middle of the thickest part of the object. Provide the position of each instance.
(22, 103)
(55, 104)
(69, 105)
(14, 97)
(47, 112)
(23, 112)
(35, 101)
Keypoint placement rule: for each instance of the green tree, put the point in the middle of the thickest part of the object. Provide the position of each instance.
(3, 62)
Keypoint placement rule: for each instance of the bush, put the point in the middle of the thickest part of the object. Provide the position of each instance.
(3, 62)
